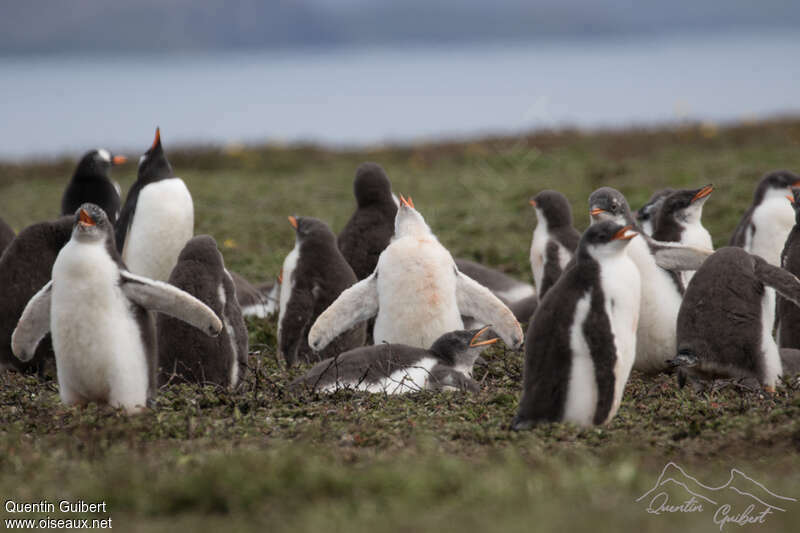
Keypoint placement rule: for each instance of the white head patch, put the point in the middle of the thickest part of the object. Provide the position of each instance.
(104, 155)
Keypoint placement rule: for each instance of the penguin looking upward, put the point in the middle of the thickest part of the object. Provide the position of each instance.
(554, 239)
(416, 293)
(647, 214)
(581, 342)
(6, 235)
(103, 335)
(371, 226)
(766, 224)
(314, 274)
(788, 314)
(400, 369)
(157, 218)
(92, 183)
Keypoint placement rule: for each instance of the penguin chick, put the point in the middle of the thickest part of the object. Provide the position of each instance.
(554, 239)
(255, 301)
(314, 274)
(400, 369)
(91, 183)
(788, 314)
(647, 214)
(6, 235)
(184, 352)
(581, 343)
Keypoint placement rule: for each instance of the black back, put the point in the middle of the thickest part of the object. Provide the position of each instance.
(152, 168)
(187, 354)
(6, 235)
(776, 179)
(788, 314)
(649, 211)
(91, 183)
(371, 226)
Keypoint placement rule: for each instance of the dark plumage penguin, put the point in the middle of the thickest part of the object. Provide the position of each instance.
(25, 267)
(6, 235)
(512, 292)
(259, 302)
(647, 214)
(150, 243)
(399, 369)
(766, 224)
(581, 342)
(554, 239)
(370, 228)
(314, 274)
(103, 335)
(184, 352)
(92, 183)
(788, 314)
(725, 322)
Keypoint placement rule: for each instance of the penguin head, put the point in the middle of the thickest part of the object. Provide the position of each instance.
(605, 239)
(91, 224)
(153, 165)
(553, 207)
(309, 230)
(408, 221)
(649, 211)
(96, 164)
(202, 249)
(686, 205)
(371, 185)
(609, 204)
(794, 198)
(461, 348)
(778, 183)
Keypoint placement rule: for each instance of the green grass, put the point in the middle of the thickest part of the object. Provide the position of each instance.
(206, 458)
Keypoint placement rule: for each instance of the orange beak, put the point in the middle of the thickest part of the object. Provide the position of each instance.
(474, 341)
(623, 235)
(293, 222)
(84, 219)
(532, 202)
(596, 211)
(157, 139)
(118, 160)
(790, 198)
(702, 193)
(280, 276)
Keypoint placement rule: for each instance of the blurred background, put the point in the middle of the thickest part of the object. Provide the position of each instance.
(368, 72)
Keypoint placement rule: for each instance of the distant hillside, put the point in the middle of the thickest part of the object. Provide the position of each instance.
(43, 26)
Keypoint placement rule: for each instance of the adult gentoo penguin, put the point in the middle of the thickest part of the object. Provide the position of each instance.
(581, 341)
(186, 354)
(766, 224)
(97, 312)
(25, 267)
(92, 183)
(725, 322)
(157, 218)
(6, 235)
(647, 214)
(399, 369)
(417, 293)
(554, 239)
(314, 274)
(788, 314)
(370, 228)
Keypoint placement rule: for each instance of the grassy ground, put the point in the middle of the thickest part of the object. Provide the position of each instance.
(205, 458)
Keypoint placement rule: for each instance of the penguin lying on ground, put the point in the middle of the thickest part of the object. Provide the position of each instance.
(725, 323)
(255, 301)
(92, 183)
(788, 314)
(554, 239)
(314, 274)
(647, 214)
(520, 297)
(157, 218)
(417, 293)
(184, 352)
(399, 369)
(581, 342)
(25, 267)
(97, 312)
(6, 235)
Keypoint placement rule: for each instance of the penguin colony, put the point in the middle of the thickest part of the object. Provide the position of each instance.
(123, 299)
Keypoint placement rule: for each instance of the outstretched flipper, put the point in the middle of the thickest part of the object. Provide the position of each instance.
(33, 325)
(679, 258)
(477, 301)
(781, 280)
(165, 298)
(357, 303)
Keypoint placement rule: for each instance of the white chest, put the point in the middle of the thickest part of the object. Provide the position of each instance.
(287, 285)
(772, 222)
(538, 250)
(410, 379)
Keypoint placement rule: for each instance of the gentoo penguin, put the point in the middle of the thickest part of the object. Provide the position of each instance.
(417, 293)
(97, 312)
(581, 342)
(255, 301)
(788, 314)
(647, 214)
(554, 239)
(370, 228)
(92, 183)
(399, 369)
(157, 218)
(186, 354)
(725, 322)
(519, 296)
(6, 235)
(766, 224)
(314, 274)
(661, 290)
(25, 267)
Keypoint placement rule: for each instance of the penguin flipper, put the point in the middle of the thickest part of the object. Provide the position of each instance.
(552, 268)
(477, 301)
(679, 258)
(33, 325)
(170, 300)
(779, 279)
(355, 304)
